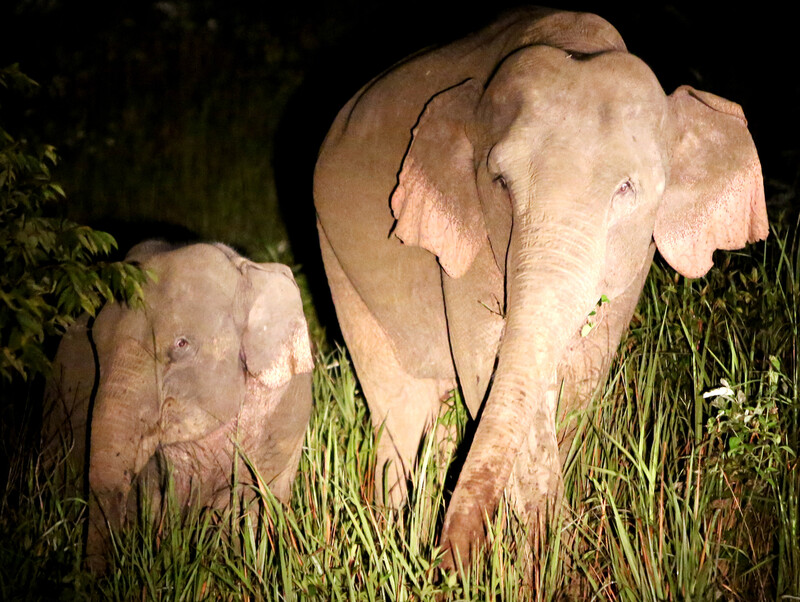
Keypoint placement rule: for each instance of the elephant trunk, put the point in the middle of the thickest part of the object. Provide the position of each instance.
(551, 287)
(123, 438)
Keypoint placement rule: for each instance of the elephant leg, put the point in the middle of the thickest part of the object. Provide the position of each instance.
(274, 441)
(407, 408)
(404, 405)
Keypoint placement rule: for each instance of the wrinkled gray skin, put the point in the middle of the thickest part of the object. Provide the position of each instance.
(476, 200)
(220, 354)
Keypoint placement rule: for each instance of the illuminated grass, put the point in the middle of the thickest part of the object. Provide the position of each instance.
(672, 496)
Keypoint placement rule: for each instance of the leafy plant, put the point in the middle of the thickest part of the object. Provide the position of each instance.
(591, 321)
(752, 431)
(51, 270)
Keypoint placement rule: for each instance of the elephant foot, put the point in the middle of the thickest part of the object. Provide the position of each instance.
(536, 501)
(463, 536)
(96, 564)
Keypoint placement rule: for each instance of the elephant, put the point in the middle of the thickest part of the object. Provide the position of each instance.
(216, 363)
(476, 202)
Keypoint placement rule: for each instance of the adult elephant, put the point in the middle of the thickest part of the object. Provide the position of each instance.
(474, 204)
(217, 363)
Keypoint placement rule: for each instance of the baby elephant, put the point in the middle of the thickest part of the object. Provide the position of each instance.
(217, 363)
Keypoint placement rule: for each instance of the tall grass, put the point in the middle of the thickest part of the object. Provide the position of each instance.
(678, 495)
(670, 495)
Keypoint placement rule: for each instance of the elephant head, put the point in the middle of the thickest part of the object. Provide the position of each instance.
(570, 164)
(544, 166)
(217, 361)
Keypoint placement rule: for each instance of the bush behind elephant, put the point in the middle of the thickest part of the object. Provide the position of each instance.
(217, 362)
(477, 200)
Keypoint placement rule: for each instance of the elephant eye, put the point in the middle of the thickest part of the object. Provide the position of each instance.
(625, 188)
(181, 347)
(624, 199)
(502, 181)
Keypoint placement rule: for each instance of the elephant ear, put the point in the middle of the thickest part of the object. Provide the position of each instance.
(275, 343)
(436, 201)
(715, 195)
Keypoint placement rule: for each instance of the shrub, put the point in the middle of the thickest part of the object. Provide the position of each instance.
(51, 267)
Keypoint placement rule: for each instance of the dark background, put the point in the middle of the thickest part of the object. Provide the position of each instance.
(120, 80)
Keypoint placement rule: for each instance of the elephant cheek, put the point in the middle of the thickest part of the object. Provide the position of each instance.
(626, 250)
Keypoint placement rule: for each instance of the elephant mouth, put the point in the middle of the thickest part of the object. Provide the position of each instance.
(182, 422)
(169, 419)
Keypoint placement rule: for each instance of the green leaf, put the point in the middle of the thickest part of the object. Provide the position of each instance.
(52, 267)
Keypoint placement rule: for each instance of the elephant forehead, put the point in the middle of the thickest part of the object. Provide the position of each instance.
(621, 80)
(192, 264)
(594, 115)
(199, 306)
(194, 292)
(199, 274)
(549, 85)
(198, 288)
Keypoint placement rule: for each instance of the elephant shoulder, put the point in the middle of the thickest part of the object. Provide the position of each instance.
(143, 251)
(68, 393)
